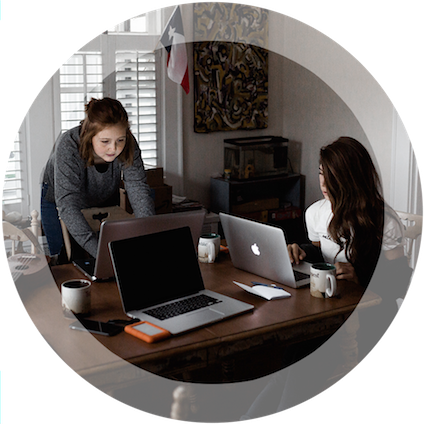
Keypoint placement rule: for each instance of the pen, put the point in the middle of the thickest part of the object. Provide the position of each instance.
(267, 285)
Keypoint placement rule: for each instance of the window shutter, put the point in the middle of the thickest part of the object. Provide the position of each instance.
(136, 90)
(81, 79)
(13, 187)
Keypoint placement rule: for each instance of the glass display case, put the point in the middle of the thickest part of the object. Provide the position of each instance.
(255, 157)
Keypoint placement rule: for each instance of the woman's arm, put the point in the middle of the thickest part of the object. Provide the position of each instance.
(69, 191)
(346, 271)
(309, 252)
(137, 188)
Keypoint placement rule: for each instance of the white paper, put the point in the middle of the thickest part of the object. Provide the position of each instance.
(266, 292)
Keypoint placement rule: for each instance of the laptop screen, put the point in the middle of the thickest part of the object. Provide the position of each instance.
(112, 230)
(155, 268)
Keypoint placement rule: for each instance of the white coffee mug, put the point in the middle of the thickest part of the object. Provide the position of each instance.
(323, 280)
(208, 248)
(76, 298)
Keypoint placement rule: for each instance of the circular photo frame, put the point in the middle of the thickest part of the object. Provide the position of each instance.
(248, 72)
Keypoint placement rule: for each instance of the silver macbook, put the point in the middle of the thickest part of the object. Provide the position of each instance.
(100, 268)
(262, 250)
(159, 280)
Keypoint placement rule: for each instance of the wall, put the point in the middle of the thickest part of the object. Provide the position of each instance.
(346, 77)
(313, 116)
(204, 153)
(317, 92)
(41, 134)
(301, 108)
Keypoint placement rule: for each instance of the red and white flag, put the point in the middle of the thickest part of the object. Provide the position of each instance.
(174, 42)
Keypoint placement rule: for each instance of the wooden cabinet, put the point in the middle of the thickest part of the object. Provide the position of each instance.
(278, 200)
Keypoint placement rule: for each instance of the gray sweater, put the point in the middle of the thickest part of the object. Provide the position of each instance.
(74, 186)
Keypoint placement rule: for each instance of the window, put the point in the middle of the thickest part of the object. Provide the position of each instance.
(80, 80)
(84, 76)
(97, 71)
(13, 187)
(147, 23)
(137, 24)
(136, 90)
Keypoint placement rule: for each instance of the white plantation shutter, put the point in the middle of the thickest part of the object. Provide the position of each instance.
(94, 71)
(136, 90)
(81, 79)
(14, 182)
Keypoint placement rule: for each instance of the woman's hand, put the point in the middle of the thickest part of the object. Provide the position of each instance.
(296, 254)
(346, 271)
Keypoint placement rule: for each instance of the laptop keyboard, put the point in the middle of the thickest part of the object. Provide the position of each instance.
(181, 307)
(298, 276)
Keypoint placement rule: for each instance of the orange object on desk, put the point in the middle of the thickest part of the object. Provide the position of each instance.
(146, 331)
(223, 249)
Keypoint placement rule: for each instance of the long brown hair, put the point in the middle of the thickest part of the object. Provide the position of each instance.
(99, 114)
(354, 189)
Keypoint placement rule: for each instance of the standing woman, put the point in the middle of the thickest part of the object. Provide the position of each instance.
(84, 170)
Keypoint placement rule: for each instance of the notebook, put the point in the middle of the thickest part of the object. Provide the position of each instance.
(100, 268)
(261, 249)
(156, 271)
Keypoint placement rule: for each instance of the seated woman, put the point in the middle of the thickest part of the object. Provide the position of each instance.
(352, 226)
(354, 229)
(85, 170)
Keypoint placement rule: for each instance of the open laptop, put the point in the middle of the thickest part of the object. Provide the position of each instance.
(157, 272)
(100, 268)
(261, 249)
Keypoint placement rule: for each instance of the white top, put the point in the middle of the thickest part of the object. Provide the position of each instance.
(318, 217)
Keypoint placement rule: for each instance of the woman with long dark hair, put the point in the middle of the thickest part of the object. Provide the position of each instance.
(352, 224)
(356, 230)
(85, 169)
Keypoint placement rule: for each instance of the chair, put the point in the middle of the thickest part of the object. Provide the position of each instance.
(94, 216)
(413, 229)
(13, 233)
(66, 239)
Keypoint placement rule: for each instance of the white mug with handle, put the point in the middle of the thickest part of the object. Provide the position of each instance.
(208, 248)
(323, 280)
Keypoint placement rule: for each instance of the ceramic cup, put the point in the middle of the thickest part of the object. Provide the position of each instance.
(323, 280)
(76, 298)
(208, 248)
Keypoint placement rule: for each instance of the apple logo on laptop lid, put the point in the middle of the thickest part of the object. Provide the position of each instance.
(255, 249)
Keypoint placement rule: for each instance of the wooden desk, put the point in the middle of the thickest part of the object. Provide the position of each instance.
(275, 334)
(216, 353)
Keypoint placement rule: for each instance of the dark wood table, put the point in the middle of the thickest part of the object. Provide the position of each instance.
(241, 353)
(216, 353)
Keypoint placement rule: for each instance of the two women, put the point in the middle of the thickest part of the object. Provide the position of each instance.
(85, 170)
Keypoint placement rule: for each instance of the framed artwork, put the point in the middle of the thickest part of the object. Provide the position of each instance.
(230, 77)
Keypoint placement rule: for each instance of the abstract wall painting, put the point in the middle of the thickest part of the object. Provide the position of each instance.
(230, 67)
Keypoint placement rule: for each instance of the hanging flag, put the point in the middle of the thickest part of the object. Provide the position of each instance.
(174, 42)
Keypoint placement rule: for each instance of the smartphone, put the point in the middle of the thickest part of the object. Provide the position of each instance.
(96, 327)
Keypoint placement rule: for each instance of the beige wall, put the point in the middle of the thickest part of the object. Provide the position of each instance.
(302, 108)
(318, 92)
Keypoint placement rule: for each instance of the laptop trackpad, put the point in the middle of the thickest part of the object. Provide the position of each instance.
(206, 315)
